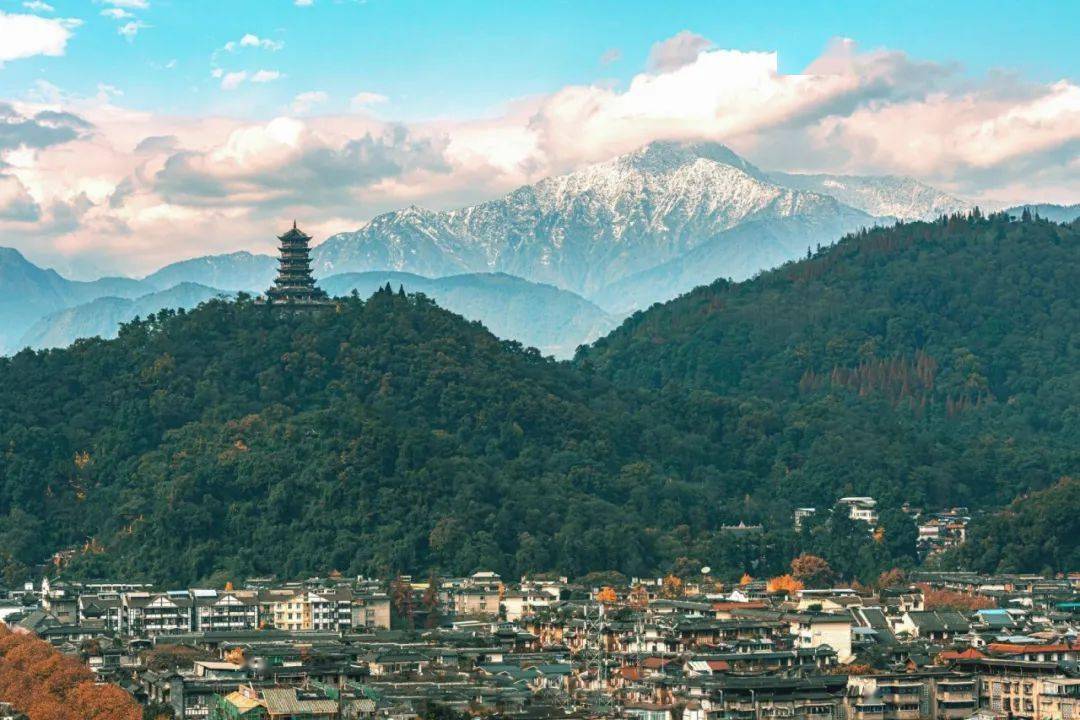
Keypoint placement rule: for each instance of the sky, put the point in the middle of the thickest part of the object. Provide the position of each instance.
(138, 132)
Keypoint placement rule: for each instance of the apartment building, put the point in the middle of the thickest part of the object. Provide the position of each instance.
(912, 696)
(371, 611)
(227, 611)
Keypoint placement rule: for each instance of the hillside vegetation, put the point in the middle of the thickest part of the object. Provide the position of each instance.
(1039, 532)
(934, 363)
(381, 436)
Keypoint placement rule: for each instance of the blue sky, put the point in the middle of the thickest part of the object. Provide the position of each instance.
(137, 132)
(458, 59)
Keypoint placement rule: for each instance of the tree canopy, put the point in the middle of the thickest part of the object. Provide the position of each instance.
(934, 363)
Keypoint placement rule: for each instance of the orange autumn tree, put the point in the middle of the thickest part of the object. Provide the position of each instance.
(607, 595)
(639, 597)
(672, 587)
(954, 600)
(891, 578)
(745, 579)
(46, 685)
(236, 656)
(783, 583)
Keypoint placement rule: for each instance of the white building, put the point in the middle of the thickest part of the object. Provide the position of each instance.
(860, 508)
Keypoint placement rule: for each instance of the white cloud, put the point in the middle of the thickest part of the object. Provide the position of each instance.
(678, 50)
(38, 6)
(116, 13)
(250, 40)
(304, 3)
(131, 4)
(305, 101)
(107, 91)
(16, 204)
(23, 36)
(229, 181)
(233, 80)
(361, 100)
(131, 28)
(265, 76)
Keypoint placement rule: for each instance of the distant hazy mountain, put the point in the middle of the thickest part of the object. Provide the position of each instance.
(737, 254)
(102, 317)
(902, 198)
(554, 321)
(1054, 213)
(594, 227)
(234, 271)
(27, 292)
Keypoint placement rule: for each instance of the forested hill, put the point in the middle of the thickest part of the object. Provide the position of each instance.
(381, 436)
(1036, 533)
(932, 362)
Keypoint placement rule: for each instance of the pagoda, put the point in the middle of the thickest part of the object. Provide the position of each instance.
(294, 284)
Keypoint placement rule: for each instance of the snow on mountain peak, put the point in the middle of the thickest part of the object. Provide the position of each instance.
(589, 228)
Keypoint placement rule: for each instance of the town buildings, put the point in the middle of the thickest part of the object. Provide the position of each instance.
(538, 648)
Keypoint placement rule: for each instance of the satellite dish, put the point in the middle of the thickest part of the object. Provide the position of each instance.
(706, 570)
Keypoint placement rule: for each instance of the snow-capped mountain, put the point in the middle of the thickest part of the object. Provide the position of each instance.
(903, 198)
(596, 226)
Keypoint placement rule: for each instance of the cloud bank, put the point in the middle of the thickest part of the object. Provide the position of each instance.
(86, 177)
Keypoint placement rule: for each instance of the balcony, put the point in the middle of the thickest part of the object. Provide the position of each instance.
(954, 710)
(902, 712)
(868, 711)
(899, 696)
(955, 694)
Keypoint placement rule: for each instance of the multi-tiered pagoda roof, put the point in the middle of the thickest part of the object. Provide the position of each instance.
(294, 283)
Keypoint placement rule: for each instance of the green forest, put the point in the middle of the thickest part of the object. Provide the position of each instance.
(929, 363)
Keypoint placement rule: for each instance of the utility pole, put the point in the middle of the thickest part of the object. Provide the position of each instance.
(595, 652)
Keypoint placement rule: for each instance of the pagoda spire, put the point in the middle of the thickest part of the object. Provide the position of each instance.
(294, 283)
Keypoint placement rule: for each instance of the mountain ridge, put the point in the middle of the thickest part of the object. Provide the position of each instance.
(591, 227)
(553, 320)
(28, 292)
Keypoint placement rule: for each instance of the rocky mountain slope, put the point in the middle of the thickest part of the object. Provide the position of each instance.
(597, 226)
(902, 198)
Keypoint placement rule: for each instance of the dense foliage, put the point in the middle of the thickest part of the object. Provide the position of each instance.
(933, 363)
(379, 436)
(1039, 532)
(46, 685)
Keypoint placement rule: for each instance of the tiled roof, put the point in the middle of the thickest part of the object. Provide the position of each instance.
(284, 701)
